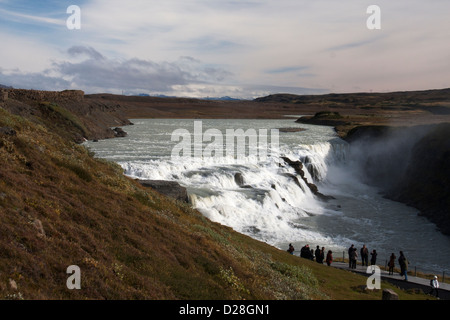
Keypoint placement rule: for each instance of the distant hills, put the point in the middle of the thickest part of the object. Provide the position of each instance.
(225, 98)
(363, 98)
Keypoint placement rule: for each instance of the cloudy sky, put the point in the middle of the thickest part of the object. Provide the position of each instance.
(239, 48)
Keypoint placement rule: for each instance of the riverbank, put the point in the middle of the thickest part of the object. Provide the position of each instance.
(101, 112)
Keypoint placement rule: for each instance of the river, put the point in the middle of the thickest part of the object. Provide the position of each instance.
(270, 204)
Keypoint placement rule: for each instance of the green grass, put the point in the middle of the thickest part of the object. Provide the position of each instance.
(66, 115)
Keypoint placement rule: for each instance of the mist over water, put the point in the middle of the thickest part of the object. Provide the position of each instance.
(271, 205)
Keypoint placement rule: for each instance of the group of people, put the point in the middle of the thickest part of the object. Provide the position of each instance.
(402, 261)
(353, 256)
(319, 255)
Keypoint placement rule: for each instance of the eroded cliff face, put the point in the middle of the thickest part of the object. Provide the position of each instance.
(65, 111)
(426, 182)
(39, 95)
(410, 164)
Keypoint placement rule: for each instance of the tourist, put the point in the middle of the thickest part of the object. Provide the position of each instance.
(365, 256)
(291, 249)
(434, 283)
(329, 259)
(373, 258)
(311, 255)
(391, 263)
(403, 262)
(353, 258)
(350, 251)
(322, 254)
(317, 254)
(304, 252)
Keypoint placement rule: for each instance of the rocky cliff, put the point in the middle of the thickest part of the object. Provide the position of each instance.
(66, 112)
(38, 95)
(411, 165)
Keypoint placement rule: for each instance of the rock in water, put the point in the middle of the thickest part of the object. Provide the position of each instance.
(298, 167)
(119, 133)
(239, 179)
(168, 188)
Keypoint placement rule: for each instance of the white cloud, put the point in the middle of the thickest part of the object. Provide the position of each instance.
(21, 17)
(327, 41)
(25, 53)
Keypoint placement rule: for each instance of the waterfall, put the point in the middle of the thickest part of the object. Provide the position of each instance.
(271, 199)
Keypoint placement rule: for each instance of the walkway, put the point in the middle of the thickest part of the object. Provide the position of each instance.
(397, 279)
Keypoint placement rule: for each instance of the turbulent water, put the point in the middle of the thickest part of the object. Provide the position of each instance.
(272, 205)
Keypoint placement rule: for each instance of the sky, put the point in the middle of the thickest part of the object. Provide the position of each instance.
(214, 48)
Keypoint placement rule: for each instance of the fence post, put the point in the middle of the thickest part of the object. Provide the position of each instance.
(343, 256)
(415, 271)
(443, 276)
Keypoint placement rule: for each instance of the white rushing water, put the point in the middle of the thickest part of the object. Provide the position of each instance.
(272, 205)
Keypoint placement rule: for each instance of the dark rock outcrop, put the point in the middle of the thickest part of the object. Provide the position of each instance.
(291, 129)
(426, 182)
(170, 189)
(239, 179)
(410, 164)
(119, 133)
(324, 118)
(370, 132)
(298, 167)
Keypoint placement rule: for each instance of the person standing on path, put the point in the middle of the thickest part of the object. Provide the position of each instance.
(434, 283)
(317, 254)
(403, 262)
(329, 259)
(391, 263)
(353, 258)
(322, 254)
(350, 251)
(365, 256)
(373, 258)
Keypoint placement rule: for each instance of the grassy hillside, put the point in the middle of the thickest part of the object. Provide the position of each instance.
(59, 206)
